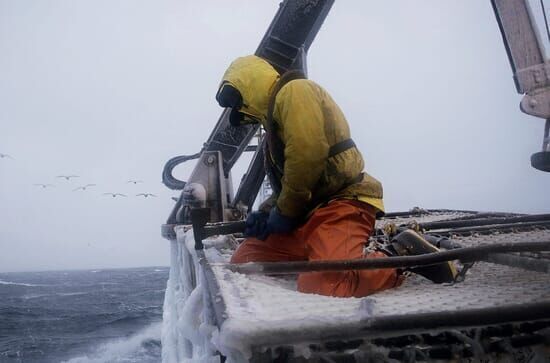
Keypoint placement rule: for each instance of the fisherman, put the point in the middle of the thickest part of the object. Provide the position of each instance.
(324, 205)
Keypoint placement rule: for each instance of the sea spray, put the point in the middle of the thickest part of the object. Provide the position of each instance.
(134, 348)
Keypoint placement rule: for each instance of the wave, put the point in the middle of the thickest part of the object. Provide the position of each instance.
(126, 320)
(2, 282)
(125, 349)
(63, 294)
(34, 296)
(71, 293)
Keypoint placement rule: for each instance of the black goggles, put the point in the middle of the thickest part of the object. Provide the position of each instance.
(229, 96)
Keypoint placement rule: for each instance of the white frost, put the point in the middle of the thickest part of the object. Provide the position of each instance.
(262, 311)
(185, 331)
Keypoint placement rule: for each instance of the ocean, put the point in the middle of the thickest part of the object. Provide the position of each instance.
(88, 316)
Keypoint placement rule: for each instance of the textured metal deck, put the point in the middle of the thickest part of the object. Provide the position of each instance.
(264, 311)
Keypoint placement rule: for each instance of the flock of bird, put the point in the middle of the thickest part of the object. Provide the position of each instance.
(86, 186)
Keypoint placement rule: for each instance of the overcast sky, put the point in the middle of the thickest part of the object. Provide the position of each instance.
(110, 90)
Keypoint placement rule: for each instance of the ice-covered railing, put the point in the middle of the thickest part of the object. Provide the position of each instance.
(260, 313)
(186, 331)
(189, 332)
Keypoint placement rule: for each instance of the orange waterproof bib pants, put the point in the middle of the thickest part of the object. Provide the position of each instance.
(335, 232)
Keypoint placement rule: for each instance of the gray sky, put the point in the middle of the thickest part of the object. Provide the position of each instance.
(109, 90)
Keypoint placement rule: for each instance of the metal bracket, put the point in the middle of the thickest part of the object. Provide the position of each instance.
(537, 103)
(207, 187)
(534, 77)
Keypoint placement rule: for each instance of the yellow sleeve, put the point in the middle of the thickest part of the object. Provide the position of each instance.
(298, 112)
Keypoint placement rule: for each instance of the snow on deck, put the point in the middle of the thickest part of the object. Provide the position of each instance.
(264, 311)
(424, 218)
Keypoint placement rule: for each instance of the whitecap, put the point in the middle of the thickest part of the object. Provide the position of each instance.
(70, 293)
(33, 296)
(2, 282)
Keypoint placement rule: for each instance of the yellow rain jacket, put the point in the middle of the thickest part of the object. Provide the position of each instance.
(308, 122)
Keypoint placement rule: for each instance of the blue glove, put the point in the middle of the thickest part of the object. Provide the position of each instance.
(278, 223)
(256, 224)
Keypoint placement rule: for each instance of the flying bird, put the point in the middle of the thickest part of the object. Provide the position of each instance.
(44, 186)
(134, 181)
(67, 177)
(114, 194)
(84, 187)
(2, 156)
(145, 195)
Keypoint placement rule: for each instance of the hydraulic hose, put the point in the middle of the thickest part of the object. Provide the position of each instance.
(465, 254)
(168, 179)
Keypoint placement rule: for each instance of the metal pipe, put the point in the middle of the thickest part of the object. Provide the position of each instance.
(216, 301)
(487, 215)
(223, 228)
(466, 254)
(460, 318)
(252, 180)
(512, 227)
(484, 221)
(417, 212)
(526, 263)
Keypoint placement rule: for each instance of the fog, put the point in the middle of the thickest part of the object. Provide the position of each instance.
(110, 90)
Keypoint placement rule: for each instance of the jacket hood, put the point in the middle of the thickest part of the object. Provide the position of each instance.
(254, 78)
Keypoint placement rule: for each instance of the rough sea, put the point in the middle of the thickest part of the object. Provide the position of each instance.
(111, 315)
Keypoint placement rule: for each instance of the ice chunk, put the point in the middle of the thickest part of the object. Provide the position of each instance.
(184, 317)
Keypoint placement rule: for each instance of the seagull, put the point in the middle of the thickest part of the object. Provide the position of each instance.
(145, 195)
(83, 187)
(134, 181)
(67, 177)
(44, 186)
(114, 194)
(2, 156)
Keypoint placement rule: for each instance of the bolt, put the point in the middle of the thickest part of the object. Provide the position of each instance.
(533, 103)
(210, 160)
